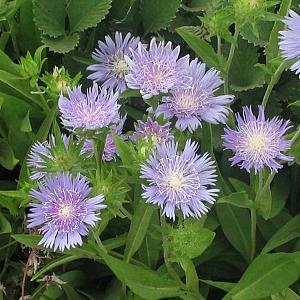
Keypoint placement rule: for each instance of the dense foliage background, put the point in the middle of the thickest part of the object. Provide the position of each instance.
(209, 258)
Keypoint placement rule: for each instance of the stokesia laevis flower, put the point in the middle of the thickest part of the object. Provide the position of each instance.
(257, 142)
(152, 130)
(56, 152)
(64, 210)
(156, 70)
(110, 150)
(290, 40)
(96, 109)
(112, 67)
(198, 103)
(179, 180)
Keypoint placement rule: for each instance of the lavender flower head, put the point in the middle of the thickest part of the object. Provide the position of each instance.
(257, 142)
(41, 152)
(110, 150)
(198, 103)
(179, 180)
(156, 70)
(64, 210)
(93, 111)
(290, 40)
(151, 129)
(112, 67)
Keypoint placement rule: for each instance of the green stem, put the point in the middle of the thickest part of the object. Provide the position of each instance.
(98, 241)
(229, 60)
(273, 81)
(169, 267)
(295, 137)
(98, 163)
(44, 101)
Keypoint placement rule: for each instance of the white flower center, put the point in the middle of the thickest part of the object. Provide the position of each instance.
(258, 143)
(186, 102)
(120, 67)
(175, 180)
(65, 211)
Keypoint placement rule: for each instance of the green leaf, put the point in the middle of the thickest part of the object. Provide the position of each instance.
(239, 199)
(286, 294)
(225, 286)
(267, 275)
(138, 228)
(157, 15)
(201, 47)
(235, 223)
(86, 14)
(29, 240)
(143, 282)
(25, 123)
(6, 64)
(120, 9)
(50, 16)
(71, 293)
(5, 226)
(12, 200)
(272, 49)
(286, 233)
(244, 75)
(61, 44)
(7, 157)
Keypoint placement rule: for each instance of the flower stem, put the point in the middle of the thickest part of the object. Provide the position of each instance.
(272, 82)
(229, 60)
(98, 241)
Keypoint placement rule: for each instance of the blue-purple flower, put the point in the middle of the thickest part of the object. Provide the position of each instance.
(198, 103)
(112, 67)
(64, 210)
(152, 130)
(110, 150)
(290, 40)
(156, 70)
(53, 151)
(179, 180)
(257, 142)
(96, 109)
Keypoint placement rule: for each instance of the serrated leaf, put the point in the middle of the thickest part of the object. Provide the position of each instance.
(50, 16)
(267, 275)
(62, 44)
(158, 14)
(244, 75)
(86, 14)
(201, 47)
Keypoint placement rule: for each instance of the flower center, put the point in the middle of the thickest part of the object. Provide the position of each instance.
(186, 102)
(121, 67)
(65, 211)
(175, 180)
(258, 143)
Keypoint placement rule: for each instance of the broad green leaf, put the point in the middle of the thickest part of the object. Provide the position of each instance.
(201, 47)
(239, 199)
(7, 157)
(235, 223)
(244, 75)
(29, 240)
(62, 44)
(272, 49)
(138, 228)
(225, 286)
(286, 233)
(120, 9)
(267, 275)
(143, 282)
(6, 64)
(50, 16)
(286, 294)
(157, 15)
(12, 200)
(86, 14)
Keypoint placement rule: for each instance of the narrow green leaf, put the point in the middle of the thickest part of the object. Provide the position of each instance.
(235, 223)
(239, 199)
(6, 64)
(25, 123)
(7, 157)
(225, 286)
(157, 15)
(286, 294)
(86, 14)
(143, 282)
(267, 275)
(138, 228)
(201, 47)
(286, 233)
(5, 226)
